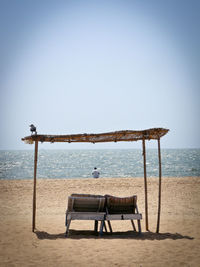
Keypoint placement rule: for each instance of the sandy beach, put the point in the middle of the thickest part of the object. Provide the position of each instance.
(177, 244)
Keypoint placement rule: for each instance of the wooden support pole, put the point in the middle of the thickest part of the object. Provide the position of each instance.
(145, 186)
(34, 185)
(159, 191)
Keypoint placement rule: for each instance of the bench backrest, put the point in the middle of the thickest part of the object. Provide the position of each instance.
(121, 205)
(99, 203)
(86, 204)
(86, 195)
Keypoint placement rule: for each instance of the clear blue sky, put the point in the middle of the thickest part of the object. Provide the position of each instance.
(98, 66)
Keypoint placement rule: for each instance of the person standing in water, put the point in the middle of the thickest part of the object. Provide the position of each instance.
(95, 173)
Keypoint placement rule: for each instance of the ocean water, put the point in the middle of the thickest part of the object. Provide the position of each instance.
(111, 163)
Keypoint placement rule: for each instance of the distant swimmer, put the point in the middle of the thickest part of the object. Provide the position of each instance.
(95, 173)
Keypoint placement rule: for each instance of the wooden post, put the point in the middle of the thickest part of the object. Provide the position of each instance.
(159, 192)
(34, 185)
(145, 186)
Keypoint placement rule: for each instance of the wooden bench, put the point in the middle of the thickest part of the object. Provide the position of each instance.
(86, 207)
(102, 208)
(123, 208)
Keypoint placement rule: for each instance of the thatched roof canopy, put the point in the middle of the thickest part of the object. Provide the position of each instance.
(125, 135)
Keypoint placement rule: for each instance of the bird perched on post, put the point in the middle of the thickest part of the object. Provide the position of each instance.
(32, 129)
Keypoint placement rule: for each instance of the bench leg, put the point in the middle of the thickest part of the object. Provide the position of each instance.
(101, 228)
(66, 218)
(67, 227)
(133, 225)
(139, 226)
(95, 226)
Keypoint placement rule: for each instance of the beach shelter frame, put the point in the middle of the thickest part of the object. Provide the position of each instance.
(125, 135)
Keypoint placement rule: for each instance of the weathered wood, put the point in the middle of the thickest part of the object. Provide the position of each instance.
(34, 186)
(86, 204)
(159, 192)
(121, 205)
(125, 135)
(98, 216)
(111, 217)
(145, 185)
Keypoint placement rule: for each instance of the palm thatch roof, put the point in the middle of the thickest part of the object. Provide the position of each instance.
(125, 135)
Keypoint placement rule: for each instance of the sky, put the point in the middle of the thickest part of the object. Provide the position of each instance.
(99, 66)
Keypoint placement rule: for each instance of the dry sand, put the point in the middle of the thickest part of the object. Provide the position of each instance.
(177, 244)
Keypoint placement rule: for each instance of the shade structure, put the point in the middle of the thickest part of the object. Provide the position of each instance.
(117, 136)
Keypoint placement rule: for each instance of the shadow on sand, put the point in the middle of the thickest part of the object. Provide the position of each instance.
(73, 234)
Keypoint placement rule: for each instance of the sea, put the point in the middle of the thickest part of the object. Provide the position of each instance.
(59, 164)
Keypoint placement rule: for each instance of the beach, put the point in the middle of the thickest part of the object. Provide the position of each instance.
(177, 244)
